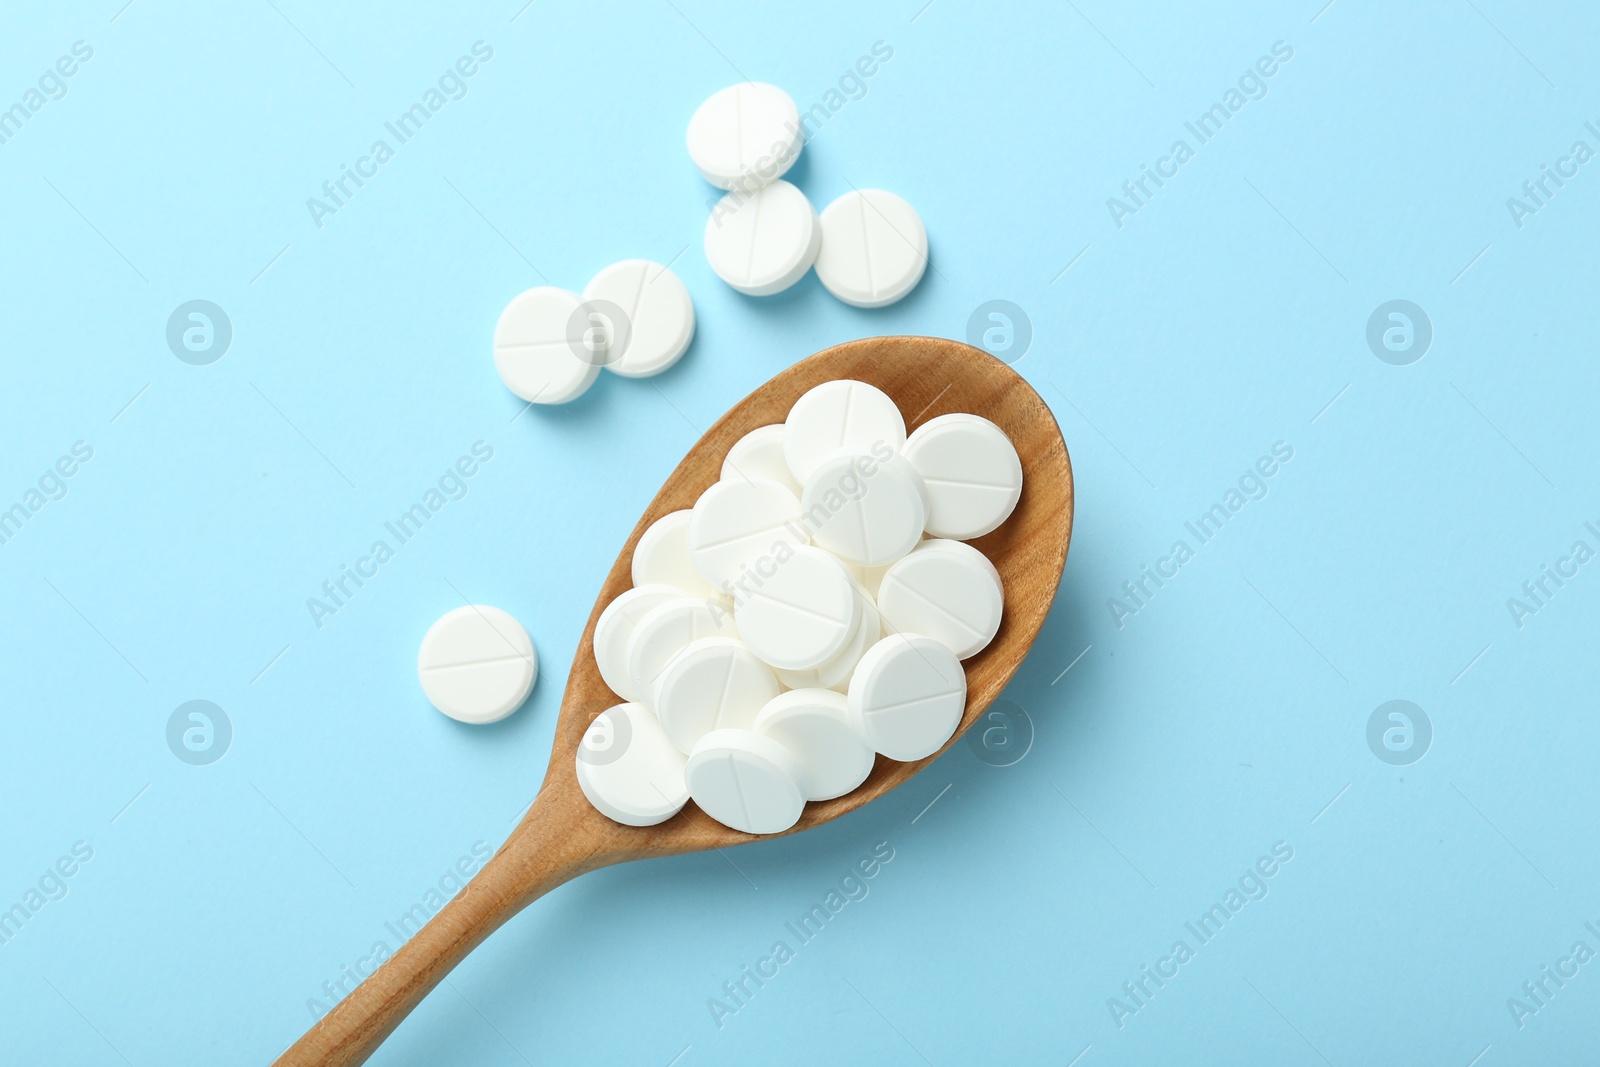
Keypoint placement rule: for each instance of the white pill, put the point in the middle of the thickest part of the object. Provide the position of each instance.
(799, 612)
(763, 242)
(665, 631)
(907, 696)
(477, 664)
(613, 632)
(658, 316)
(714, 684)
(661, 557)
(745, 136)
(749, 782)
(869, 510)
(537, 351)
(840, 414)
(759, 454)
(737, 525)
(629, 770)
(972, 472)
(939, 544)
(815, 724)
(874, 248)
(946, 590)
(835, 672)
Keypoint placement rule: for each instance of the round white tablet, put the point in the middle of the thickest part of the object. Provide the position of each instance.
(614, 630)
(714, 684)
(759, 454)
(665, 631)
(477, 664)
(867, 510)
(745, 136)
(840, 414)
(800, 612)
(658, 315)
(661, 556)
(749, 782)
(534, 349)
(737, 526)
(907, 696)
(763, 242)
(946, 590)
(835, 672)
(972, 472)
(629, 770)
(874, 248)
(815, 725)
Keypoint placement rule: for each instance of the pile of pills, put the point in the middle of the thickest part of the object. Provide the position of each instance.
(810, 611)
(634, 319)
(869, 246)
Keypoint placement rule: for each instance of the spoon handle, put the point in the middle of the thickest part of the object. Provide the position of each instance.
(548, 848)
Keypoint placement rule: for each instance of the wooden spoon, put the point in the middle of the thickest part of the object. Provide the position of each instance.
(562, 836)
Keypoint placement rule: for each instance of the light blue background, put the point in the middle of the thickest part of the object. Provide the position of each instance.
(1230, 713)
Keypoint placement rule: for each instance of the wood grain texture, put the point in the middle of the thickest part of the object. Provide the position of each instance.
(562, 836)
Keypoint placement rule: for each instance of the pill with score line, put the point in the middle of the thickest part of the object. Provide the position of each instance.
(477, 664)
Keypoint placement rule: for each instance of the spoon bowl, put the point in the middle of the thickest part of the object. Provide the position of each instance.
(563, 836)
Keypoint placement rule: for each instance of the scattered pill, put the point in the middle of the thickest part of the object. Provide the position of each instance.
(907, 696)
(665, 631)
(815, 725)
(737, 525)
(535, 351)
(874, 248)
(945, 590)
(841, 414)
(863, 509)
(713, 684)
(658, 316)
(745, 136)
(800, 614)
(749, 782)
(761, 243)
(759, 454)
(614, 630)
(661, 556)
(972, 473)
(629, 770)
(477, 664)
